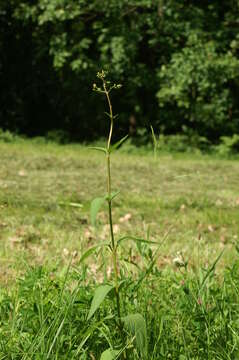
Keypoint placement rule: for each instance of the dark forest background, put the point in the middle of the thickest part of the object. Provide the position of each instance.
(177, 60)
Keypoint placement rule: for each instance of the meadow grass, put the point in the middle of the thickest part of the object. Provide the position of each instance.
(192, 202)
(195, 197)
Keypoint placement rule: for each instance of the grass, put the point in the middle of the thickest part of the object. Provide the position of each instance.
(191, 313)
(195, 197)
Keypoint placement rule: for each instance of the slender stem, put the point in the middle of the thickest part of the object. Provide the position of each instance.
(109, 201)
(113, 244)
(111, 117)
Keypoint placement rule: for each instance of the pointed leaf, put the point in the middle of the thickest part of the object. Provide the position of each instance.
(136, 326)
(153, 135)
(95, 208)
(78, 205)
(70, 204)
(90, 251)
(109, 354)
(113, 116)
(112, 196)
(118, 143)
(137, 240)
(99, 296)
(106, 113)
(98, 148)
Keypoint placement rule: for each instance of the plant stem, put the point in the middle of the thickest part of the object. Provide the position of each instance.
(113, 244)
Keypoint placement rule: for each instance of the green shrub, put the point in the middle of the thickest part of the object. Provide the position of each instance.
(229, 145)
(182, 143)
(58, 136)
(8, 137)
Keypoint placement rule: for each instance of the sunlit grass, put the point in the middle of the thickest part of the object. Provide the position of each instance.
(196, 197)
(192, 202)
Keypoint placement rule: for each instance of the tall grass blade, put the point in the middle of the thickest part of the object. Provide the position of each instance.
(55, 337)
(153, 135)
(210, 270)
(155, 142)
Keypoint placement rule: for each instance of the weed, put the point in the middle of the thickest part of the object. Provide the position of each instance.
(133, 324)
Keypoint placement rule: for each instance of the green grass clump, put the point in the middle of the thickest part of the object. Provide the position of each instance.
(188, 317)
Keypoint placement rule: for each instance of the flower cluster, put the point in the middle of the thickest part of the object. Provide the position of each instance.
(107, 86)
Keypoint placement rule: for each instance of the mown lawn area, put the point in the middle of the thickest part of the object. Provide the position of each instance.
(194, 199)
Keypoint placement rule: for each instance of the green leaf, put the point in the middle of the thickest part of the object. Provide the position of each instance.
(91, 251)
(137, 240)
(99, 296)
(95, 208)
(153, 136)
(98, 148)
(136, 326)
(118, 143)
(109, 354)
(106, 113)
(112, 196)
(211, 269)
(78, 205)
(97, 203)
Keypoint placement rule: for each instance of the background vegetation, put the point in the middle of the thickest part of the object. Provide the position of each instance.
(178, 61)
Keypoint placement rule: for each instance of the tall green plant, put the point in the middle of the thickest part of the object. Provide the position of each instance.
(106, 89)
(132, 324)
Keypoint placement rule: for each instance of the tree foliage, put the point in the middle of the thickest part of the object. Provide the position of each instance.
(177, 59)
(198, 82)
